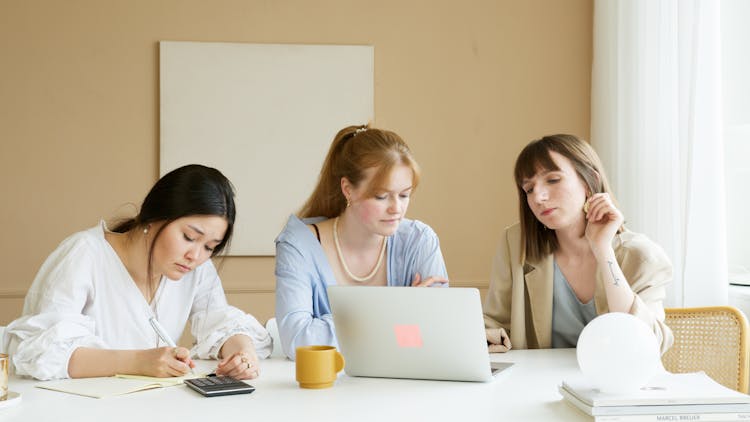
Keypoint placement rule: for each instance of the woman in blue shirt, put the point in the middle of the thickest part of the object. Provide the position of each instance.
(352, 231)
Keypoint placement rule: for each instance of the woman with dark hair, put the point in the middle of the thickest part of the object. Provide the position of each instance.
(87, 313)
(352, 231)
(570, 258)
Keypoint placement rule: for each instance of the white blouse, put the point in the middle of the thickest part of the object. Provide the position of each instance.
(83, 296)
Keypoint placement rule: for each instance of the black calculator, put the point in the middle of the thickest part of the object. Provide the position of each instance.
(219, 385)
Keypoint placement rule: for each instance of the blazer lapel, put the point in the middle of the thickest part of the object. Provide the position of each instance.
(539, 286)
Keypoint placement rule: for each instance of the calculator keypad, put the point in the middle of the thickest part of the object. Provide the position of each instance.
(219, 385)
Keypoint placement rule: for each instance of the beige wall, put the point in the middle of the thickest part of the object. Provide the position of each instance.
(466, 83)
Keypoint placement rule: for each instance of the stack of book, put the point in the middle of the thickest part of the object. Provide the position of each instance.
(668, 397)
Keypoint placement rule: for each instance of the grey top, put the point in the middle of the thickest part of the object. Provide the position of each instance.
(569, 315)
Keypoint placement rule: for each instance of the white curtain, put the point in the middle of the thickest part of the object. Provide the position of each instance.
(656, 122)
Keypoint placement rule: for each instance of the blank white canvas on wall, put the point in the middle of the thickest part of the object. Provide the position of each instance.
(264, 115)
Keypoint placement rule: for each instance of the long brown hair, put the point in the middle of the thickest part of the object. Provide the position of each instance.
(354, 150)
(536, 240)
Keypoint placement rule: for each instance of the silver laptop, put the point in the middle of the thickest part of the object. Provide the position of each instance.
(409, 332)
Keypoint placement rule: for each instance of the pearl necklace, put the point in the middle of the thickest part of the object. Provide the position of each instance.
(343, 263)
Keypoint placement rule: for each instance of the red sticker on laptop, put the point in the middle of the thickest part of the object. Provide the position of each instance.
(408, 335)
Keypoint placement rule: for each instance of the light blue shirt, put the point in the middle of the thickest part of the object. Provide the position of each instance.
(303, 273)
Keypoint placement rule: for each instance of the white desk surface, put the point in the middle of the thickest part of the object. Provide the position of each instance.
(526, 392)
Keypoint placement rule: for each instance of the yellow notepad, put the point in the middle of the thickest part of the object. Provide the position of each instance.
(101, 387)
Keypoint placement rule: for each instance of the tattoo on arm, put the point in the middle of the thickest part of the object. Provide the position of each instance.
(612, 271)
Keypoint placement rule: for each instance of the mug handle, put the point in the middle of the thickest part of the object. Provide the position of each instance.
(339, 362)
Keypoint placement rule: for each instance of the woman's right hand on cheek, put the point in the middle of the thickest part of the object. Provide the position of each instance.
(498, 339)
(165, 362)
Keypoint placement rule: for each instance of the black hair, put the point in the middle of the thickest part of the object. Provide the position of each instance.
(188, 190)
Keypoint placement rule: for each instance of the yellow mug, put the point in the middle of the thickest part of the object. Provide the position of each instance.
(318, 366)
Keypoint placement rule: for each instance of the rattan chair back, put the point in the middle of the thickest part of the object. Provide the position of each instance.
(710, 339)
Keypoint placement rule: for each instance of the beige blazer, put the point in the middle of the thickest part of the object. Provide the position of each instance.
(520, 297)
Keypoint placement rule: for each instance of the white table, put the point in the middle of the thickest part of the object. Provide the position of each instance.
(526, 392)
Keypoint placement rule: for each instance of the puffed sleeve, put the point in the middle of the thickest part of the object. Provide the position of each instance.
(53, 326)
(648, 271)
(213, 321)
(497, 303)
(296, 296)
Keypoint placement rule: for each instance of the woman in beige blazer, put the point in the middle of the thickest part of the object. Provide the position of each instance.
(570, 257)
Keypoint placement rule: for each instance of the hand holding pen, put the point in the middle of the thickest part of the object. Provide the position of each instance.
(173, 360)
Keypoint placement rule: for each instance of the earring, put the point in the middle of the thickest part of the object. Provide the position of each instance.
(586, 203)
(348, 203)
(145, 231)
